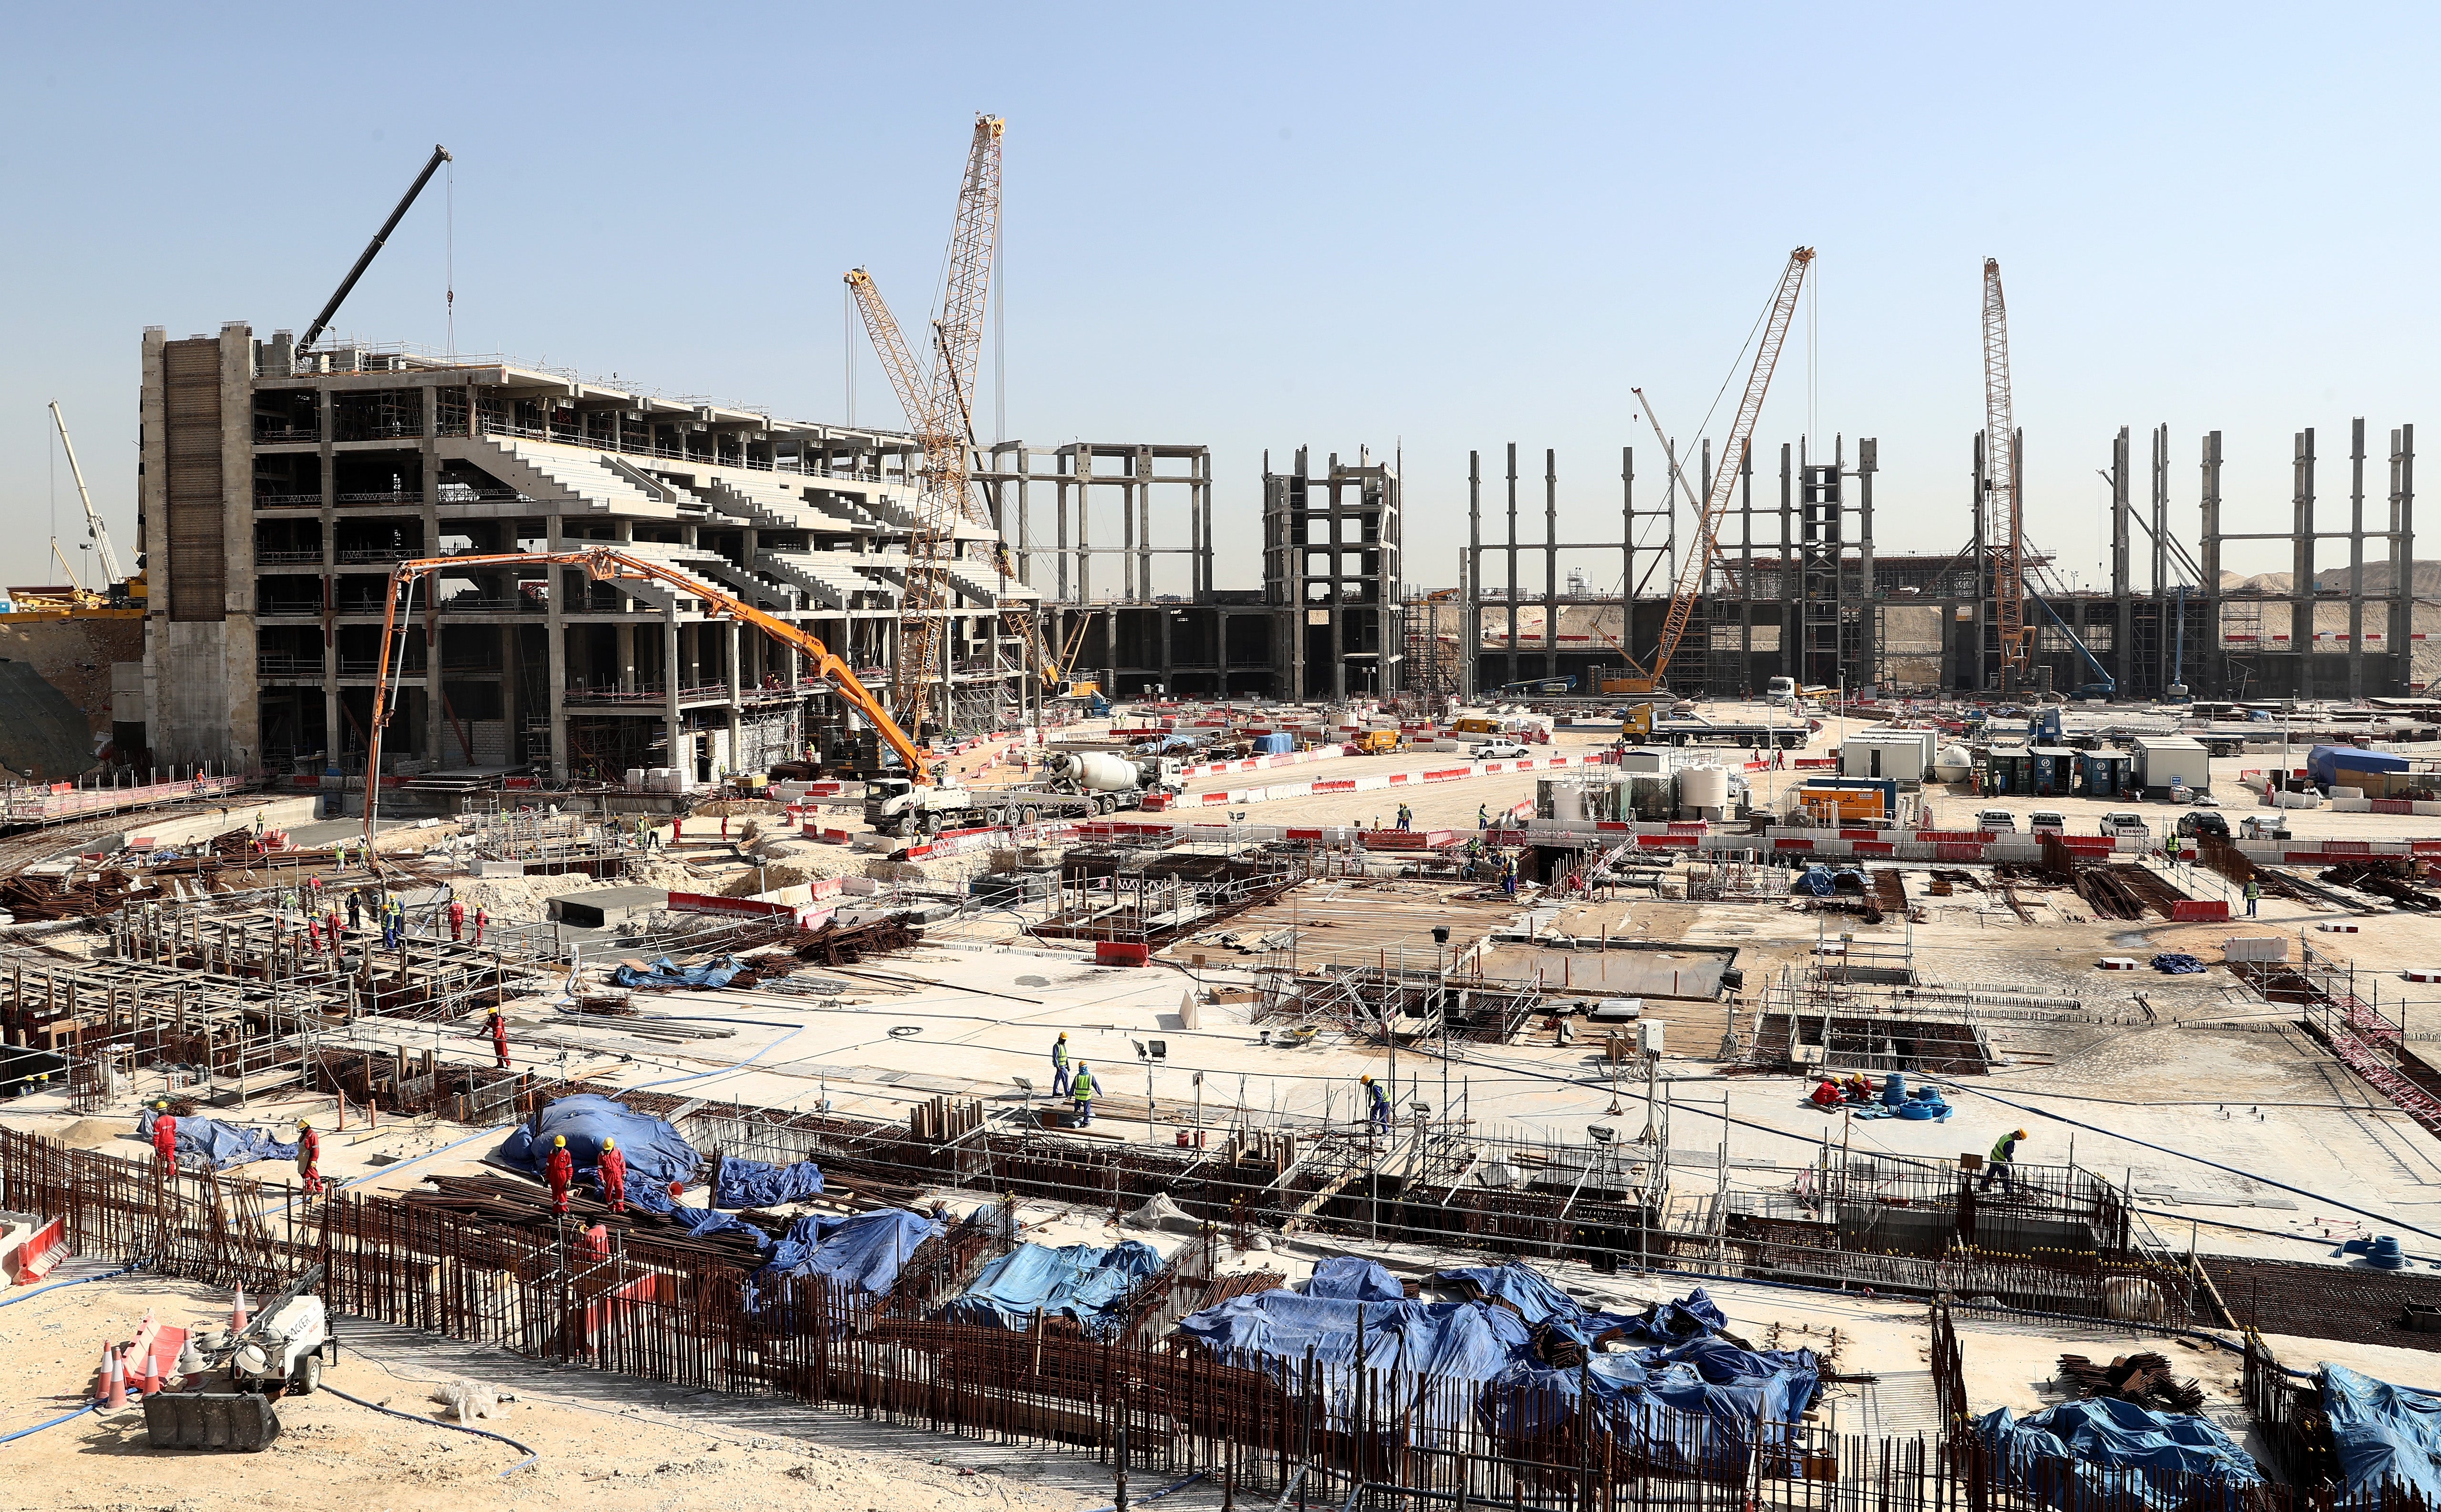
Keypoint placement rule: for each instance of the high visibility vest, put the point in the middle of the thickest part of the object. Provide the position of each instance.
(1082, 1087)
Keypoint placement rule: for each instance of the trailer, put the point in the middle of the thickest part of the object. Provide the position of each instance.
(1704, 732)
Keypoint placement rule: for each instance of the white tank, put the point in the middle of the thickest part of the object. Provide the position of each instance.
(1095, 771)
(1955, 764)
(1703, 788)
(635, 779)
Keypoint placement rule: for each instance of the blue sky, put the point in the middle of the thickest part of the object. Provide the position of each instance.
(1423, 228)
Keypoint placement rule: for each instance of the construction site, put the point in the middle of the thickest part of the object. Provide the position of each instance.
(527, 900)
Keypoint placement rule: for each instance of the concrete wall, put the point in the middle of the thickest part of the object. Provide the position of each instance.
(199, 674)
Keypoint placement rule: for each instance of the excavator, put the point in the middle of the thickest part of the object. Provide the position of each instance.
(917, 799)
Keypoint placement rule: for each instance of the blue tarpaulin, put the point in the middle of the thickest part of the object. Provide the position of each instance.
(1408, 1342)
(1538, 1301)
(656, 1153)
(207, 1142)
(2340, 765)
(863, 1253)
(761, 1185)
(1279, 743)
(2384, 1431)
(1670, 1410)
(1346, 1278)
(667, 973)
(1083, 1282)
(1821, 881)
(2175, 964)
(702, 1221)
(2108, 1449)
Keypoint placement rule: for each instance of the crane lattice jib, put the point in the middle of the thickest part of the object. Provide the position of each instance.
(604, 565)
(1725, 477)
(2003, 516)
(931, 533)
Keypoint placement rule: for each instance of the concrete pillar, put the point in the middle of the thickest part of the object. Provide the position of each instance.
(2356, 557)
(729, 647)
(2301, 580)
(555, 637)
(672, 720)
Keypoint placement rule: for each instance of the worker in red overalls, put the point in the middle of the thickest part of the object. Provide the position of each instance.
(560, 1170)
(500, 1040)
(457, 920)
(613, 1175)
(165, 1137)
(309, 1158)
(332, 924)
(481, 918)
(314, 934)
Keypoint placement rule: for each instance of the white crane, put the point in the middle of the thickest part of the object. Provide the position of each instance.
(93, 522)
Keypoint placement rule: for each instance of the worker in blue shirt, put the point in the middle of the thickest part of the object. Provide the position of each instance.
(1377, 1102)
(1060, 1066)
(1081, 1090)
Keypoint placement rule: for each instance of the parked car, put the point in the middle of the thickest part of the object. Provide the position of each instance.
(2200, 822)
(1998, 820)
(2047, 822)
(2124, 826)
(1497, 751)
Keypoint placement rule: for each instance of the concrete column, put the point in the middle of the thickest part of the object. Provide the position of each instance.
(2356, 557)
(1508, 673)
(672, 720)
(2209, 545)
(509, 716)
(2122, 593)
(440, 743)
(2301, 580)
(1144, 521)
(333, 722)
(2403, 555)
(625, 637)
(1869, 451)
(1550, 562)
(728, 654)
(555, 637)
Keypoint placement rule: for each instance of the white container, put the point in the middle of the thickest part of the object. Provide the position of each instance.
(2159, 759)
(1954, 764)
(1703, 788)
(635, 779)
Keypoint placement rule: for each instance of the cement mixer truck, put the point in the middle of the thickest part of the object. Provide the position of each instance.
(1077, 784)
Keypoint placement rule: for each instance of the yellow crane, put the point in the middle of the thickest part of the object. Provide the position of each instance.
(2003, 516)
(934, 403)
(605, 565)
(1701, 559)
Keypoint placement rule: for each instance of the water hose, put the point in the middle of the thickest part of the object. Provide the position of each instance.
(455, 1427)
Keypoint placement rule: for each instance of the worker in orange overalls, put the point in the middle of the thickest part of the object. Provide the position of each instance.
(613, 1176)
(457, 919)
(500, 1040)
(309, 1158)
(481, 918)
(560, 1170)
(165, 1136)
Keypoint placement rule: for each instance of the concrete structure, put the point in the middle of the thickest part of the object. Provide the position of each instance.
(278, 490)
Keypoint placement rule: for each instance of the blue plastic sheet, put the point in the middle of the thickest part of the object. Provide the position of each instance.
(2174, 963)
(1538, 1301)
(209, 1143)
(702, 1221)
(656, 1153)
(1279, 743)
(1407, 1343)
(1083, 1282)
(1347, 1278)
(667, 973)
(2080, 1453)
(1665, 1409)
(761, 1185)
(862, 1252)
(2384, 1431)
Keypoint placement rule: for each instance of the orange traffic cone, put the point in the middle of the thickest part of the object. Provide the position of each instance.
(118, 1397)
(101, 1376)
(236, 1314)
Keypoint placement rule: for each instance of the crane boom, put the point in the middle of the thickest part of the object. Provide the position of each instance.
(933, 403)
(2003, 515)
(94, 526)
(372, 248)
(1725, 477)
(604, 565)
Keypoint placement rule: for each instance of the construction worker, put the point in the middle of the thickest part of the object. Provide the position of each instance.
(2253, 896)
(165, 1137)
(457, 920)
(1081, 1090)
(559, 1170)
(481, 918)
(1483, 815)
(612, 1174)
(309, 1158)
(355, 912)
(314, 934)
(2004, 1155)
(1509, 877)
(1060, 1066)
(1377, 1101)
(1826, 1093)
(332, 922)
(1406, 818)
(500, 1040)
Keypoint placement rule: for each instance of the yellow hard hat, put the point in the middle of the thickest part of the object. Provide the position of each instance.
(163, 1104)
(609, 1144)
(1367, 1077)
(559, 1138)
(1063, 1033)
(2023, 1135)
(303, 1122)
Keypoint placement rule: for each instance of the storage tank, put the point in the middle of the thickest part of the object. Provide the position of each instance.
(1954, 764)
(635, 779)
(1095, 771)
(1703, 788)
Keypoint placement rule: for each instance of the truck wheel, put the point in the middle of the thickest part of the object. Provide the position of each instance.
(308, 1377)
(1028, 815)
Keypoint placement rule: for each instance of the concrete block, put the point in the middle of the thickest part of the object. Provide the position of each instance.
(2255, 947)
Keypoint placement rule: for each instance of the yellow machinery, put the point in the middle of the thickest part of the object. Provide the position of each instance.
(1378, 742)
(1638, 722)
(1829, 804)
(605, 565)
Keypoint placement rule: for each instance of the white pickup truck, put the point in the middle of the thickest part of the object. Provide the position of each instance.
(2124, 826)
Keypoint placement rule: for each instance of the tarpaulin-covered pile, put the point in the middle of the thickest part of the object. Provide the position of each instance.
(1347, 1278)
(740, 1183)
(1082, 1282)
(2177, 964)
(667, 973)
(2075, 1450)
(1821, 881)
(657, 1154)
(1688, 1398)
(209, 1143)
(2384, 1431)
(863, 1253)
